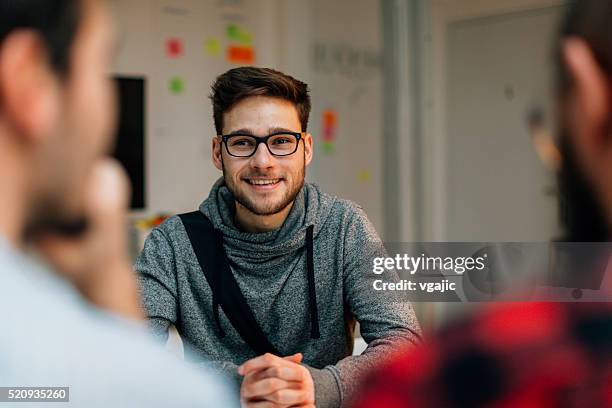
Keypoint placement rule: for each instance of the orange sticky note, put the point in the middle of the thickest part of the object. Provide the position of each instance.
(329, 118)
(240, 55)
(330, 125)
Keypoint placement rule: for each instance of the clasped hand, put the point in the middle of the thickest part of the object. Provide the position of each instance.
(272, 382)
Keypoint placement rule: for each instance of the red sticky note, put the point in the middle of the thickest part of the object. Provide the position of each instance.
(174, 47)
(240, 55)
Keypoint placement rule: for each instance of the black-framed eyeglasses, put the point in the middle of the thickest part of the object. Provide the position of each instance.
(278, 143)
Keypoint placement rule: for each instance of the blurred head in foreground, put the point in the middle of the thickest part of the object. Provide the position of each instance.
(56, 107)
(584, 89)
(535, 354)
(56, 123)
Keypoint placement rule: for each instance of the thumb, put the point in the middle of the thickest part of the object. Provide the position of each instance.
(295, 358)
(107, 196)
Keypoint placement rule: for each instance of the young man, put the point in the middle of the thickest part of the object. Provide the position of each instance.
(535, 354)
(61, 199)
(296, 259)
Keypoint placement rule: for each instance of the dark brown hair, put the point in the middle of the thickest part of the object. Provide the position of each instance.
(240, 83)
(56, 21)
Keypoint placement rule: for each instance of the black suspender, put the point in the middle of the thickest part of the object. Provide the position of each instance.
(207, 243)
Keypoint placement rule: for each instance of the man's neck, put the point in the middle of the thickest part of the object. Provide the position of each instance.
(250, 222)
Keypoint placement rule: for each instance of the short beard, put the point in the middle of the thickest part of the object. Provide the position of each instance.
(48, 218)
(581, 213)
(252, 207)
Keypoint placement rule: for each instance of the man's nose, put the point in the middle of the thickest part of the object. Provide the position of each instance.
(262, 158)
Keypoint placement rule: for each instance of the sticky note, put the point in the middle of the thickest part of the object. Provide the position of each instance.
(238, 34)
(328, 147)
(364, 176)
(330, 118)
(330, 125)
(174, 48)
(232, 31)
(245, 37)
(176, 85)
(240, 55)
(212, 47)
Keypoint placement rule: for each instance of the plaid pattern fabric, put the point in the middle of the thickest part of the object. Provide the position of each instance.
(520, 355)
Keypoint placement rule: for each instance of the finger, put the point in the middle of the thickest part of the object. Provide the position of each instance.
(107, 195)
(295, 358)
(253, 390)
(287, 396)
(106, 202)
(261, 362)
(260, 404)
(286, 372)
(106, 211)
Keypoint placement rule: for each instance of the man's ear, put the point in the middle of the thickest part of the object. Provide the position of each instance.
(308, 148)
(216, 152)
(589, 101)
(29, 89)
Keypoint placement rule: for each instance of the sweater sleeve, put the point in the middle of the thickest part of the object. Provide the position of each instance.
(385, 323)
(156, 271)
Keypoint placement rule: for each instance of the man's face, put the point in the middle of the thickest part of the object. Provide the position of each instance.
(261, 116)
(82, 129)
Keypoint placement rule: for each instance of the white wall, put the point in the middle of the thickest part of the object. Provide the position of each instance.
(441, 201)
(438, 16)
(347, 77)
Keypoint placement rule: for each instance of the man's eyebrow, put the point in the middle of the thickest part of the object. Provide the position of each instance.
(245, 132)
(248, 132)
(280, 130)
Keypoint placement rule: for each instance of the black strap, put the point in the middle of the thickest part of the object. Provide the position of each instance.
(312, 292)
(207, 243)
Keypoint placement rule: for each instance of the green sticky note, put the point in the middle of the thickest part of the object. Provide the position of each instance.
(232, 32)
(213, 46)
(328, 147)
(176, 85)
(238, 34)
(245, 37)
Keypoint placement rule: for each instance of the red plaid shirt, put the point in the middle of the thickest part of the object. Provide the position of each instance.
(519, 355)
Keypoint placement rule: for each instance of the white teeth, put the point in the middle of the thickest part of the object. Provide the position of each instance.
(263, 182)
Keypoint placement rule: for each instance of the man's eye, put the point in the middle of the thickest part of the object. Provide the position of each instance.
(241, 142)
(282, 141)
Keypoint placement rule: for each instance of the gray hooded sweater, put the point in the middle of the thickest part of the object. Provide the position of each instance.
(271, 270)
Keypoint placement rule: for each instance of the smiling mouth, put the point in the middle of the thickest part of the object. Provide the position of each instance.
(263, 182)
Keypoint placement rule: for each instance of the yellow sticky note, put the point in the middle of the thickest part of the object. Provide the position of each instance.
(213, 47)
(364, 176)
